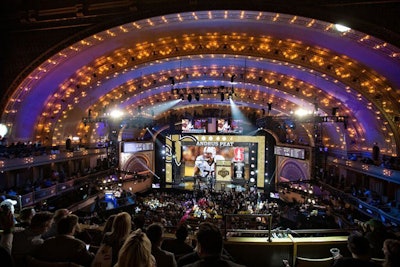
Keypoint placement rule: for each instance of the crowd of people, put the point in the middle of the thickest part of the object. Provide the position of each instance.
(130, 242)
(141, 229)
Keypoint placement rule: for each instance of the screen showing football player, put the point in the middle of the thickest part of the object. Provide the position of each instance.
(223, 125)
(186, 125)
(204, 165)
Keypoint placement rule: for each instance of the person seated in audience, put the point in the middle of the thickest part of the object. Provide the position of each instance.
(109, 223)
(178, 245)
(5, 257)
(64, 247)
(98, 237)
(164, 258)
(139, 222)
(209, 249)
(376, 234)
(27, 240)
(360, 251)
(391, 249)
(25, 217)
(58, 215)
(120, 230)
(136, 251)
(7, 225)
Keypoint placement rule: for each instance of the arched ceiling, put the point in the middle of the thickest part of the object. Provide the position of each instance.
(290, 61)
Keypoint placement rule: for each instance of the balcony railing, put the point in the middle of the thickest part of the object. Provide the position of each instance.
(31, 198)
(8, 164)
(389, 175)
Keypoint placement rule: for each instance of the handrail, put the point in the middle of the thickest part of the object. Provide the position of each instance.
(269, 216)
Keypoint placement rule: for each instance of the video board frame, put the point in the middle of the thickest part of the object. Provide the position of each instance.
(253, 145)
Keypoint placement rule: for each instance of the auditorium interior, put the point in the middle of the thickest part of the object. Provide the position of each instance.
(108, 105)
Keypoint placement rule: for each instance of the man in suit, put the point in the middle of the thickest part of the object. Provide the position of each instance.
(178, 245)
(209, 248)
(164, 258)
(359, 247)
(64, 247)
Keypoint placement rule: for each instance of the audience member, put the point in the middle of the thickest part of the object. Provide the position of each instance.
(121, 228)
(27, 240)
(108, 225)
(164, 258)
(58, 215)
(98, 237)
(25, 217)
(64, 247)
(139, 222)
(209, 248)
(360, 251)
(7, 224)
(391, 249)
(178, 245)
(376, 235)
(136, 251)
(5, 258)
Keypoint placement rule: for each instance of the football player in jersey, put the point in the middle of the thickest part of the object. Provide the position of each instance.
(204, 166)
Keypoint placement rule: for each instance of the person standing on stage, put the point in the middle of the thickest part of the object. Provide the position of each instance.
(204, 166)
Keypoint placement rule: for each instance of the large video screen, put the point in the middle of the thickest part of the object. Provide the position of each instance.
(229, 126)
(212, 125)
(226, 158)
(194, 126)
(292, 152)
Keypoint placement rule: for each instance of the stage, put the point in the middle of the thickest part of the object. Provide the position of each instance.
(202, 183)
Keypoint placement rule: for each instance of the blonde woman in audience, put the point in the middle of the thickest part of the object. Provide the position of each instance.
(136, 251)
(121, 228)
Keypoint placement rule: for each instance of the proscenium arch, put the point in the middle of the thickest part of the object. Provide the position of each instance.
(76, 76)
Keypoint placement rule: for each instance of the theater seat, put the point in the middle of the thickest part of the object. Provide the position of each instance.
(311, 262)
(32, 262)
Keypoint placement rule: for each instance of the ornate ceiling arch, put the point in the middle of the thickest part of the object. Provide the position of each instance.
(290, 61)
